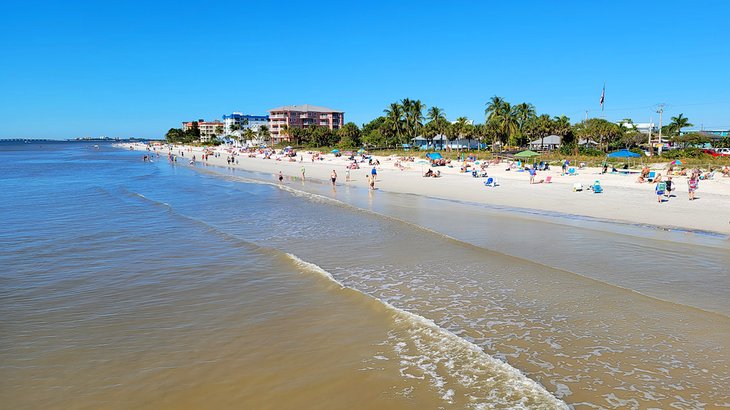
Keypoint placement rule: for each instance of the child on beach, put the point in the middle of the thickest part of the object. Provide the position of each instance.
(670, 187)
(692, 185)
(661, 187)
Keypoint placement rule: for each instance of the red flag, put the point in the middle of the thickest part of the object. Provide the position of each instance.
(603, 96)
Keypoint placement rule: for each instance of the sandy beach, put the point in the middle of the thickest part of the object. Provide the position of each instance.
(623, 199)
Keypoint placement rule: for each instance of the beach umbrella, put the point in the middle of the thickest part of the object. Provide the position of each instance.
(527, 154)
(434, 155)
(361, 150)
(676, 162)
(624, 153)
(335, 151)
(348, 152)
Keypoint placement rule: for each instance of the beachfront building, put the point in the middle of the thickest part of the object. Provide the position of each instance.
(716, 134)
(239, 121)
(550, 142)
(208, 129)
(642, 127)
(302, 116)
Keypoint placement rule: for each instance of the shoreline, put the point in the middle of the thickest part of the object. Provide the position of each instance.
(623, 201)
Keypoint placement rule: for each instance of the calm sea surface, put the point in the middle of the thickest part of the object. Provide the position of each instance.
(127, 284)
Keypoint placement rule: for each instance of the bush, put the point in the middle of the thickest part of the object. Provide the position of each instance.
(683, 153)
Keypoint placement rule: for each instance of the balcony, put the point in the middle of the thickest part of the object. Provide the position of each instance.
(277, 116)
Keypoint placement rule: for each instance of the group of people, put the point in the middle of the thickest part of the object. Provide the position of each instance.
(432, 174)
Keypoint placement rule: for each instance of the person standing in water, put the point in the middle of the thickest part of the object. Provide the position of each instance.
(281, 177)
(333, 177)
(303, 178)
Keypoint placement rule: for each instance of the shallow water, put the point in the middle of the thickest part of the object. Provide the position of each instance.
(131, 284)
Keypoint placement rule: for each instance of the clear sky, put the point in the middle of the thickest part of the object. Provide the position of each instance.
(126, 68)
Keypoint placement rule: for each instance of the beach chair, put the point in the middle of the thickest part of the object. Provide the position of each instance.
(549, 179)
(597, 189)
(491, 182)
(571, 171)
(651, 176)
(577, 187)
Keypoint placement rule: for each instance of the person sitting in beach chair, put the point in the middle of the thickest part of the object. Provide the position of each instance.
(597, 189)
(428, 173)
(474, 173)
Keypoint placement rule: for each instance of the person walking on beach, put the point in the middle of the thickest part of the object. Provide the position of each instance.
(660, 188)
(692, 185)
(670, 187)
(371, 182)
(532, 172)
(333, 177)
(374, 173)
(303, 178)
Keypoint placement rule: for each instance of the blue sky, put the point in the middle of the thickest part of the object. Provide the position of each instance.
(125, 68)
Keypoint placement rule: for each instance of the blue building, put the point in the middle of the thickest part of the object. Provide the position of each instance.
(240, 121)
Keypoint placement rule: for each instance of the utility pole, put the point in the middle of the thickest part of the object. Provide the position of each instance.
(660, 111)
(586, 115)
(651, 147)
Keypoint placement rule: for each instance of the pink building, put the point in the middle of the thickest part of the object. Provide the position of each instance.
(302, 116)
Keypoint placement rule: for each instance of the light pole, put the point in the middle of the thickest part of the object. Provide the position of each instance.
(660, 111)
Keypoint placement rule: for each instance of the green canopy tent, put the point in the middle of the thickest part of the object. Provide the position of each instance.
(527, 154)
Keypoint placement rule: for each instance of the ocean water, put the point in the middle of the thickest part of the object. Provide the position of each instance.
(128, 284)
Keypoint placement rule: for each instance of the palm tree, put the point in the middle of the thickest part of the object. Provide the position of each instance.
(523, 114)
(678, 123)
(394, 120)
(437, 119)
(248, 134)
(415, 116)
(435, 113)
(499, 113)
(544, 126)
(264, 133)
(284, 131)
(494, 108)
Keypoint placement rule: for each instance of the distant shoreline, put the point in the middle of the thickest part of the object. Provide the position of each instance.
(623, 200)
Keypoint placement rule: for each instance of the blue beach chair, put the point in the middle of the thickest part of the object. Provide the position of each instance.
(597, 189)
(491, 182)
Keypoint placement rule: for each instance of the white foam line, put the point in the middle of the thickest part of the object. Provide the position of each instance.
(524, 382)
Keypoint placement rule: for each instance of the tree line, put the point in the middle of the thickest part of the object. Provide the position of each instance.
(505, 125)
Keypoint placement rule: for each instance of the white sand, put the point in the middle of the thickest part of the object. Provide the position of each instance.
(622, 200)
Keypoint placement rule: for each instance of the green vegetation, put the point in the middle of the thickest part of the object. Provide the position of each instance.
(506, 128)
